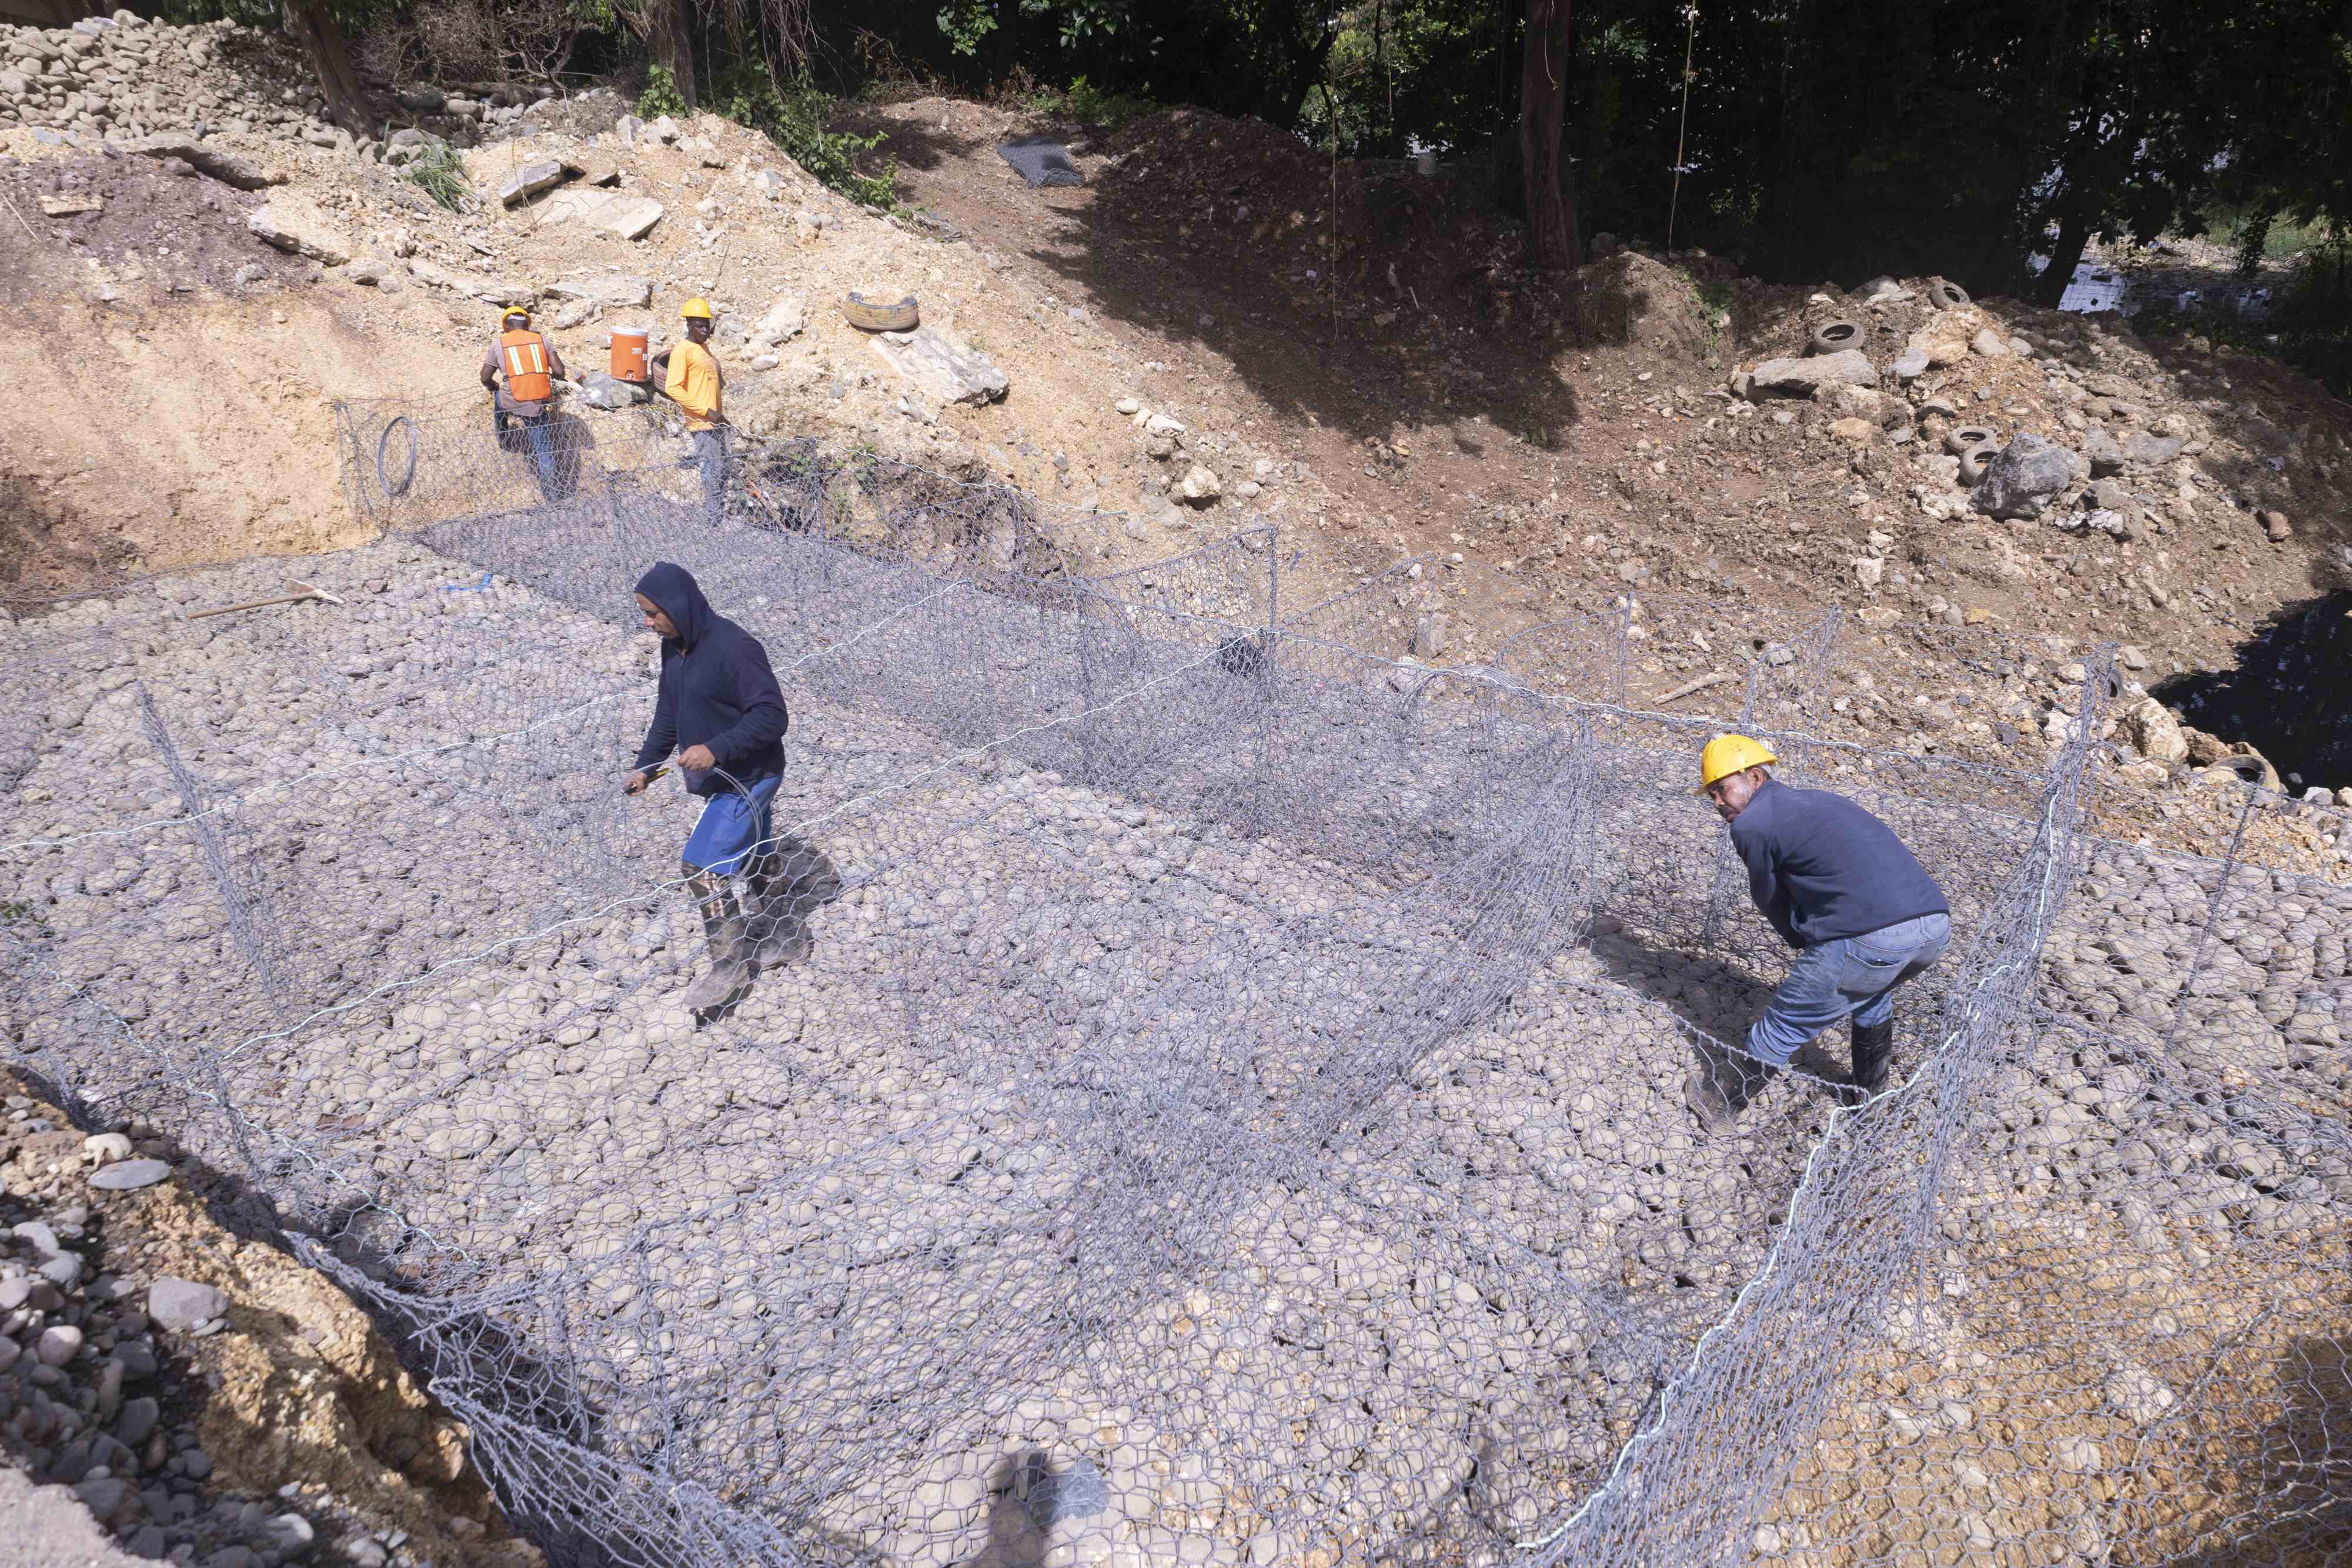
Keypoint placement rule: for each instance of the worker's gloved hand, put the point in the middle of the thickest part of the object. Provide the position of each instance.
(696, 759)
(635, 784)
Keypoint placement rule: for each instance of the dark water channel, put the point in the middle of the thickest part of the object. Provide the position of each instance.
(2289, 695)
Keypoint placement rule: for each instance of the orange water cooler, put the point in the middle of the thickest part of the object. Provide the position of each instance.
(629, 355)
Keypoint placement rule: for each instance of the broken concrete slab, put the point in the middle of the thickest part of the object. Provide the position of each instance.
(631, 217)
(1808, 377)
(440, 276)
(295, 224)
(531, 179)
(626, 290)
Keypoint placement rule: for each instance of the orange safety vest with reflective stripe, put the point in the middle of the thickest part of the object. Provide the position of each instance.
(524, 354)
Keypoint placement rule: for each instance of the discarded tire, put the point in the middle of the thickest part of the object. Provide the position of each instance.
(1946, 295)
(1968, 435)
(395, 468)
(1975, 460)
(864, 313)
(1833, 337)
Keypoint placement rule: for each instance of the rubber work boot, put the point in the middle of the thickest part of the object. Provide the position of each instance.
(788, 884)
(773, 927)
(730, 971)
(1720, 1087)
(1874, 1049)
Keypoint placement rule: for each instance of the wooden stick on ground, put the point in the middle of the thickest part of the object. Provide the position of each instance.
(1688, 687)
(308, 591)
(18, 216)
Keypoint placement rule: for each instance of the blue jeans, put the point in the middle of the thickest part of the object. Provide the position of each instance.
(731, 830)
(1854, 974)
(538, 432)
(710, 456)
(542, 453)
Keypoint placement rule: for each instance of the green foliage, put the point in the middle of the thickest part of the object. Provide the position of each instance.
(661, 95)
(442, 176)
(1073, 22)
(1085, 102)
(964, 23)
(795, 119)
(1716, 299)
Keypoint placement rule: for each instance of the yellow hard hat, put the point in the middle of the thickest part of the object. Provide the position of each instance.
(1729, 753)
(513, 310)
(697, 308)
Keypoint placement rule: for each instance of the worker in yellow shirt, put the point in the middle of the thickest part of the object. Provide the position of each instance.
(693, 382)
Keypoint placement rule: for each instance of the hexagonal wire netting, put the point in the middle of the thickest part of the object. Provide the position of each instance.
(1222, 1099)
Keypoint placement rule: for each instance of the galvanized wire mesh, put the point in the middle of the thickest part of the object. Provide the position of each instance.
(1230, 1109)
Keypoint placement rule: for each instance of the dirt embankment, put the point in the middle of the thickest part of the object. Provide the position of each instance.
(196, 1388)
(1200, 335)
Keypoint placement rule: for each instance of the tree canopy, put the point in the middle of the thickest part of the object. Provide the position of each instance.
(1813, 138)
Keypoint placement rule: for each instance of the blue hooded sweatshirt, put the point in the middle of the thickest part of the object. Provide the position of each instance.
(1821, 867)
(717, 689)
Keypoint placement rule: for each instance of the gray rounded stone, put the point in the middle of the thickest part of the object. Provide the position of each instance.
(128, 1176)
(183, 1303)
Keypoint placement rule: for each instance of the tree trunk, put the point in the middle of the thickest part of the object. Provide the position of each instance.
(330, 63)
(669, 38)
(1543, 105)
(1305, 71)
(2074, 235)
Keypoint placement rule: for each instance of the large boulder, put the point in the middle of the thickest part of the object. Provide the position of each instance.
(2103, 453)
(2155, 732)
(941, 370)
(1200, 484)
(785, 321)
(2021, 479)
(1810, 377)
(600, 389)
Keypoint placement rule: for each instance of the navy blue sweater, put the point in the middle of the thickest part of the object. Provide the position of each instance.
(717, 689)
(1821, 867)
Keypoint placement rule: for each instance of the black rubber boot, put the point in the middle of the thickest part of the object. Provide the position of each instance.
(1874, 1051)
(730, 971)
(1720, 1087)
(788, 884)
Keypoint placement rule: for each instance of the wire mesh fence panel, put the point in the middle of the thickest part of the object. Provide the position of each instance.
(406, 468)
(1216, 1093)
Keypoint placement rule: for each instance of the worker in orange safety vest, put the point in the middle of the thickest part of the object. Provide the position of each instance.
(530, 367)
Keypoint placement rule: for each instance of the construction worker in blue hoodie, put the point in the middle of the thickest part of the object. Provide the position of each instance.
(1840, 888)
(719, 709)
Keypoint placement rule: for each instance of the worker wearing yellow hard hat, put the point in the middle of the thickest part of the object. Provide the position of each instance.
(1840, 888)
(530, 367)
(691, 379)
